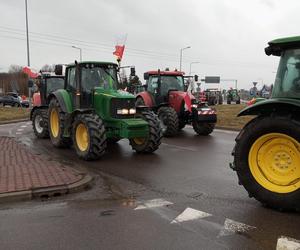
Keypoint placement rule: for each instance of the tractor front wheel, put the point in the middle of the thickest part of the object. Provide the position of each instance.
(40, 123)
(267, 161)
(89, 136)
(56, 123)
(150, 143)
(168, 121)
(203, 128)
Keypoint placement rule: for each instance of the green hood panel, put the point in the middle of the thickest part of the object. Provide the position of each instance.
(270, 105)
(111, 93)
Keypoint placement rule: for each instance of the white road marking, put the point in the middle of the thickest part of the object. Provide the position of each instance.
(28, 123)
(190, 214)
(18, 133)
(153, 204)
(20, 129)
(24, 126)
(232, 227)
(285, 243)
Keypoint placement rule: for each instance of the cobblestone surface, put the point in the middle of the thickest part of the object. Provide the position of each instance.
(22, 170)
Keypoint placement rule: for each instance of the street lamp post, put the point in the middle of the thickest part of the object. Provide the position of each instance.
(28, 59)
(191, 66)
(80, 51)
(188, 47)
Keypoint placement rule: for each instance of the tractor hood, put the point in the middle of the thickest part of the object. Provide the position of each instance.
(113, 93)
(270, 105)
(182, 94)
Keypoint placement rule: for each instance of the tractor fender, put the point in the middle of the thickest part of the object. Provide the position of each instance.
(63, 98)
(281, 105)
(35, 108)
(147, 98)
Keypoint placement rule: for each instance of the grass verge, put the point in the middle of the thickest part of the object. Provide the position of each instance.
(227, 116)
(11, 113)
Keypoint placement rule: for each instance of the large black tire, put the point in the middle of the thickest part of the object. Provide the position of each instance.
(94, 136)
(57, 139)
(168, 120)
(40, 123)
(152, 142)
(203, 128)
(238, 101)
(258, 129)
(228, 100)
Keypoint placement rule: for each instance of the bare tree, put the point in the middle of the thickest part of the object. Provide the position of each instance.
(15, 68)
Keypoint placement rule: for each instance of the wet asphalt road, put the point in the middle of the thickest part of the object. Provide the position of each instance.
(187, 173)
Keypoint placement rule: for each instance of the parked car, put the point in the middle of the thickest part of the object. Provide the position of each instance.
(14, 100)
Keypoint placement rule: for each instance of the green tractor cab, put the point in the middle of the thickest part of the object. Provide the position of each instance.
(267, 150)
(90, 112)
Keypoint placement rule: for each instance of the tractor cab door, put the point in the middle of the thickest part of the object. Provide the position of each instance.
(71, 75)
(154, 87)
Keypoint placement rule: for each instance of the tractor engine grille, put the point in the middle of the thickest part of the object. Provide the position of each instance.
(117, 103)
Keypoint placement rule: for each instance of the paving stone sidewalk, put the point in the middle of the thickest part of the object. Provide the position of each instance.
(22, 170)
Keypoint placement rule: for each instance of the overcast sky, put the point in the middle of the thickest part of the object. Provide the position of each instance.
(227, 37)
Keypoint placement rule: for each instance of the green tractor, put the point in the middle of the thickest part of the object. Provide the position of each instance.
(233, 96)
(267, 150)
(90, 112)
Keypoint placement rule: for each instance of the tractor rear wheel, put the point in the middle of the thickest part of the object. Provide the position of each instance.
(203, 128)
(267, 161)
(89, 136)
(56, 123)
(40, 123)
(168, 120)
(150, 143)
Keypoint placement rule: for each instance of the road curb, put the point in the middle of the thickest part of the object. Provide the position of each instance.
(14, 121)
(228, 128)
(48, 192)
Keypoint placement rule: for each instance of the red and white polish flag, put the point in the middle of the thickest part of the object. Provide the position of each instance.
(120, 46)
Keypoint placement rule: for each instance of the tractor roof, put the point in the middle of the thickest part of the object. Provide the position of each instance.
(278, 45)
(166, 73)
(92, 62)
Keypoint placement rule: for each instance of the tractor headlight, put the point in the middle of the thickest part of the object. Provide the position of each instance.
(122, 111)
(195, 106)
(126, 111)
(132, 111)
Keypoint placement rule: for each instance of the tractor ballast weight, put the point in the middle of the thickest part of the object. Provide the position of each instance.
(90, 112)
(165, 95)
(267, 150)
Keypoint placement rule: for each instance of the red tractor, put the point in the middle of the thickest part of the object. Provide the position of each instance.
(164, 94)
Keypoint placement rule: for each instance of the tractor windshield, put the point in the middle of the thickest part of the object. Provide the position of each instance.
(98, 76)
(171, 82)
(54, 84)
(287, 83)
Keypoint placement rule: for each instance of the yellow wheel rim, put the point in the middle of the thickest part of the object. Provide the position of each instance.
(54, 122)
(82, 137)
(139, 140)
(274, 161)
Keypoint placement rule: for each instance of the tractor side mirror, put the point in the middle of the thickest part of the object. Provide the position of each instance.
(58, 69)
(196, 78)
(132, 71)
(146, 76)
